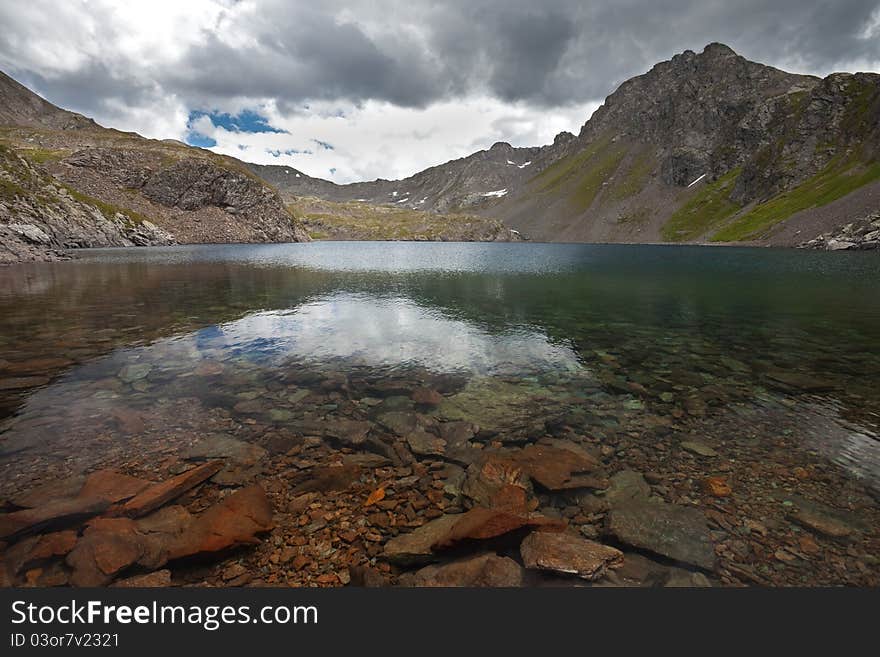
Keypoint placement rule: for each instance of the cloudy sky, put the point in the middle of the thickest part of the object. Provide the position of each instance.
(383, 88)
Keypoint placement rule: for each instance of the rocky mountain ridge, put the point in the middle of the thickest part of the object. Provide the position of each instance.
(704, 147)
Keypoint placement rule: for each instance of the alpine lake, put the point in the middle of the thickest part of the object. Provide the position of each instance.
(711, 416)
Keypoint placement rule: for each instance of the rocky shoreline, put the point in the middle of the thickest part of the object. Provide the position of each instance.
(860, 235)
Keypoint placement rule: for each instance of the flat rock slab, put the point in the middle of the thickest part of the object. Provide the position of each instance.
(160, 494)
(482, 570)
(51, 491)
(242, 459)
(112, 486)
(416, 546)
(822, 519)
(676, 532)
(481, 523)
(236, 520)
(53, 515)
(565, 553)
(625, 486)
(556, 468)
(423, 443)
(348, 432)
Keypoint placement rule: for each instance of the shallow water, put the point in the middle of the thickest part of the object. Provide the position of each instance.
(773, 354)
(745, 323)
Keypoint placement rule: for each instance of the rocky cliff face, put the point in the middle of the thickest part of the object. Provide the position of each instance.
(704, 147)
(190, 191)
(66, 182)
(41, 217)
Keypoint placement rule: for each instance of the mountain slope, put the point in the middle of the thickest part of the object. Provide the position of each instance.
(67, 182)
(705, 147)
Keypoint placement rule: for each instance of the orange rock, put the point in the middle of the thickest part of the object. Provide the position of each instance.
(234, 521)
(554, 467)
(511, 498)
(108, 546)
(112, 486)
(159, 494)
(480, 523)
(376, 496)
(717, 487)
(53, 514)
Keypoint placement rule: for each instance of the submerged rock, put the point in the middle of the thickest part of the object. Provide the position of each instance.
(160, 494)
(56, 514)
(565, 553)
(482, 570)
(672, 531)
(323, 479)
(242, 460)
(236, 520)
(698, 448)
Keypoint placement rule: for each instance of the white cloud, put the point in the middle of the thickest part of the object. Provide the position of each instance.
(380, 140)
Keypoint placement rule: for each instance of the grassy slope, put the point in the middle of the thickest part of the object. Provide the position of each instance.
(834, 182)
(329, 219)
(703, 211)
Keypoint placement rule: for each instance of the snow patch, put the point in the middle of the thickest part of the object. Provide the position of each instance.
(519, 166)
(496, 193)
(696, 181)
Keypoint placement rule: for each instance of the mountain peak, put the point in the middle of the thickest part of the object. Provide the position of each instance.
(716, 49)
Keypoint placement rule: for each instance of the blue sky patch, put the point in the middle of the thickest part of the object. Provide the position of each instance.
(324, 145)
(194, 138)
(244, 121)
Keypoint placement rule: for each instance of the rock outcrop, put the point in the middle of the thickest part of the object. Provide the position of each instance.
(40, 217)
(66, 183)
(860, 235)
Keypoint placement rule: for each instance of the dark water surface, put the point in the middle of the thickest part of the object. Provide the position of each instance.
(637, 347)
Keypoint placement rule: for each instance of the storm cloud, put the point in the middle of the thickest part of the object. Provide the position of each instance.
(148, 66)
